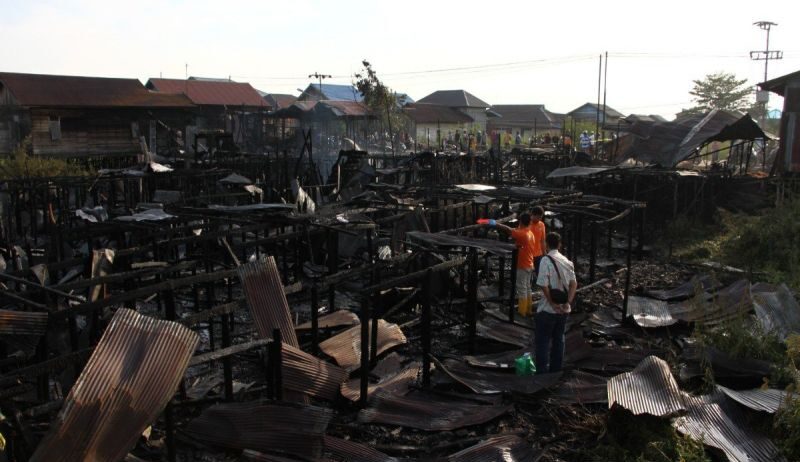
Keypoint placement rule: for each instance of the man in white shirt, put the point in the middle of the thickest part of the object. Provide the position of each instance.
(557, 279)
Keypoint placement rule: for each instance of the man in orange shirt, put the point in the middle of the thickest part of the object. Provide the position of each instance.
(527, 245)
(539, 232)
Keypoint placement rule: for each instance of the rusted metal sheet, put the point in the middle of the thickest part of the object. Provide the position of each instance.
(506, 448)
(345, 348)
(211, 93)
(694, 286)
(22, 323)
(730, 302)
(354, 452)
(426, 412)
(613, 359)
(486, 382)
(339, 318)
(777, 310)
(130, 377)
(649, 312)
(583, 388)
(255, 456)
(282, 428)
(769, 400)
(263, 289)
(729, 371)
(305, 373)
(713, 420)
(397, 382)
(502, 249)
(505, 332)
(648, 389)
(38, 90)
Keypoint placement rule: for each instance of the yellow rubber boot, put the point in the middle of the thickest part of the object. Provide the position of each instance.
(523, 306)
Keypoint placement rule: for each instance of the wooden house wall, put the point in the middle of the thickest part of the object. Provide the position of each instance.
(83, 133)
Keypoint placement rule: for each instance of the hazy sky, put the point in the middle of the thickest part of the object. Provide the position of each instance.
(505, 52)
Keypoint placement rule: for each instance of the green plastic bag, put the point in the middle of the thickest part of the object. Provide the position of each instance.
(524, 365)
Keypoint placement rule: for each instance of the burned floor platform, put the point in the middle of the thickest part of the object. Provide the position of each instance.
(204, 315)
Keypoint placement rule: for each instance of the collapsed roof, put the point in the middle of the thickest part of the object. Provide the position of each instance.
(668, 143)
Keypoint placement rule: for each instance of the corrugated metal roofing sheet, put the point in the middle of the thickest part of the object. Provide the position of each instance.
(22, 323)
(354, 452)
(426, 412)
(447, 240)
(505, 448)
(649, 312)
(337, 92)
(130, 377)
(505, 332)
(345, 348)
(583, 388)
(769, 400)
(397, 382)
(343, 108)
(339, 318)
(422, 113)
(714, 421)
(305, 373)
(777, 310)
(211, 93)
(648, 389)
(730, 302)
(263, 289)
(454, 98)
(486, 382)
(565, 172)
(38, 90)
(266, 427)
(694, 286)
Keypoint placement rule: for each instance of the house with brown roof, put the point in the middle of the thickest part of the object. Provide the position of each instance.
(72, 116)
(432, 123)
(787, 86)
(525, 119)
(233, 109)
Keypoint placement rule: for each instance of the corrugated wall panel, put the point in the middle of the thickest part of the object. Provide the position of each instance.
(132, 374)
(648, 389)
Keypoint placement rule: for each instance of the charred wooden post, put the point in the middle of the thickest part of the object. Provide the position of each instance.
(169, 421)
(501, 278)
(472, 298)
(314, 319)
(427, 295)
(227, 367)
(628, 266)
(640, 241)
(333, 265)
(592, 250)
(511, 299)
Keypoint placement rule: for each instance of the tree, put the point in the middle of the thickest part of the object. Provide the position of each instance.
(379, 98)
(720, 91)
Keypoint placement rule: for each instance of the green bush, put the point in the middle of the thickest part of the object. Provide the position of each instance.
(769, 243)
(22, 165)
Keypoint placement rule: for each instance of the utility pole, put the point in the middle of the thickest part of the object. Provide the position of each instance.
(762, 96)
(319, 76)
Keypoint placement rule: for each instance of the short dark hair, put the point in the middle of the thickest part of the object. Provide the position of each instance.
(537, 211)
(553, 240)
(525, 219)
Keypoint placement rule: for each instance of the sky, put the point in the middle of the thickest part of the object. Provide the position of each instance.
(504, 52)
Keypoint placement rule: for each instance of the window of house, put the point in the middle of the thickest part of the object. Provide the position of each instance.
(55, 128)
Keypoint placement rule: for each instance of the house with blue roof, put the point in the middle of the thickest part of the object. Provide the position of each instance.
(330, 92)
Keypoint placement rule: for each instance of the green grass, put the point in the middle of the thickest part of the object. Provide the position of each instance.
(644, 439)
(768, 244)
(21, 165)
